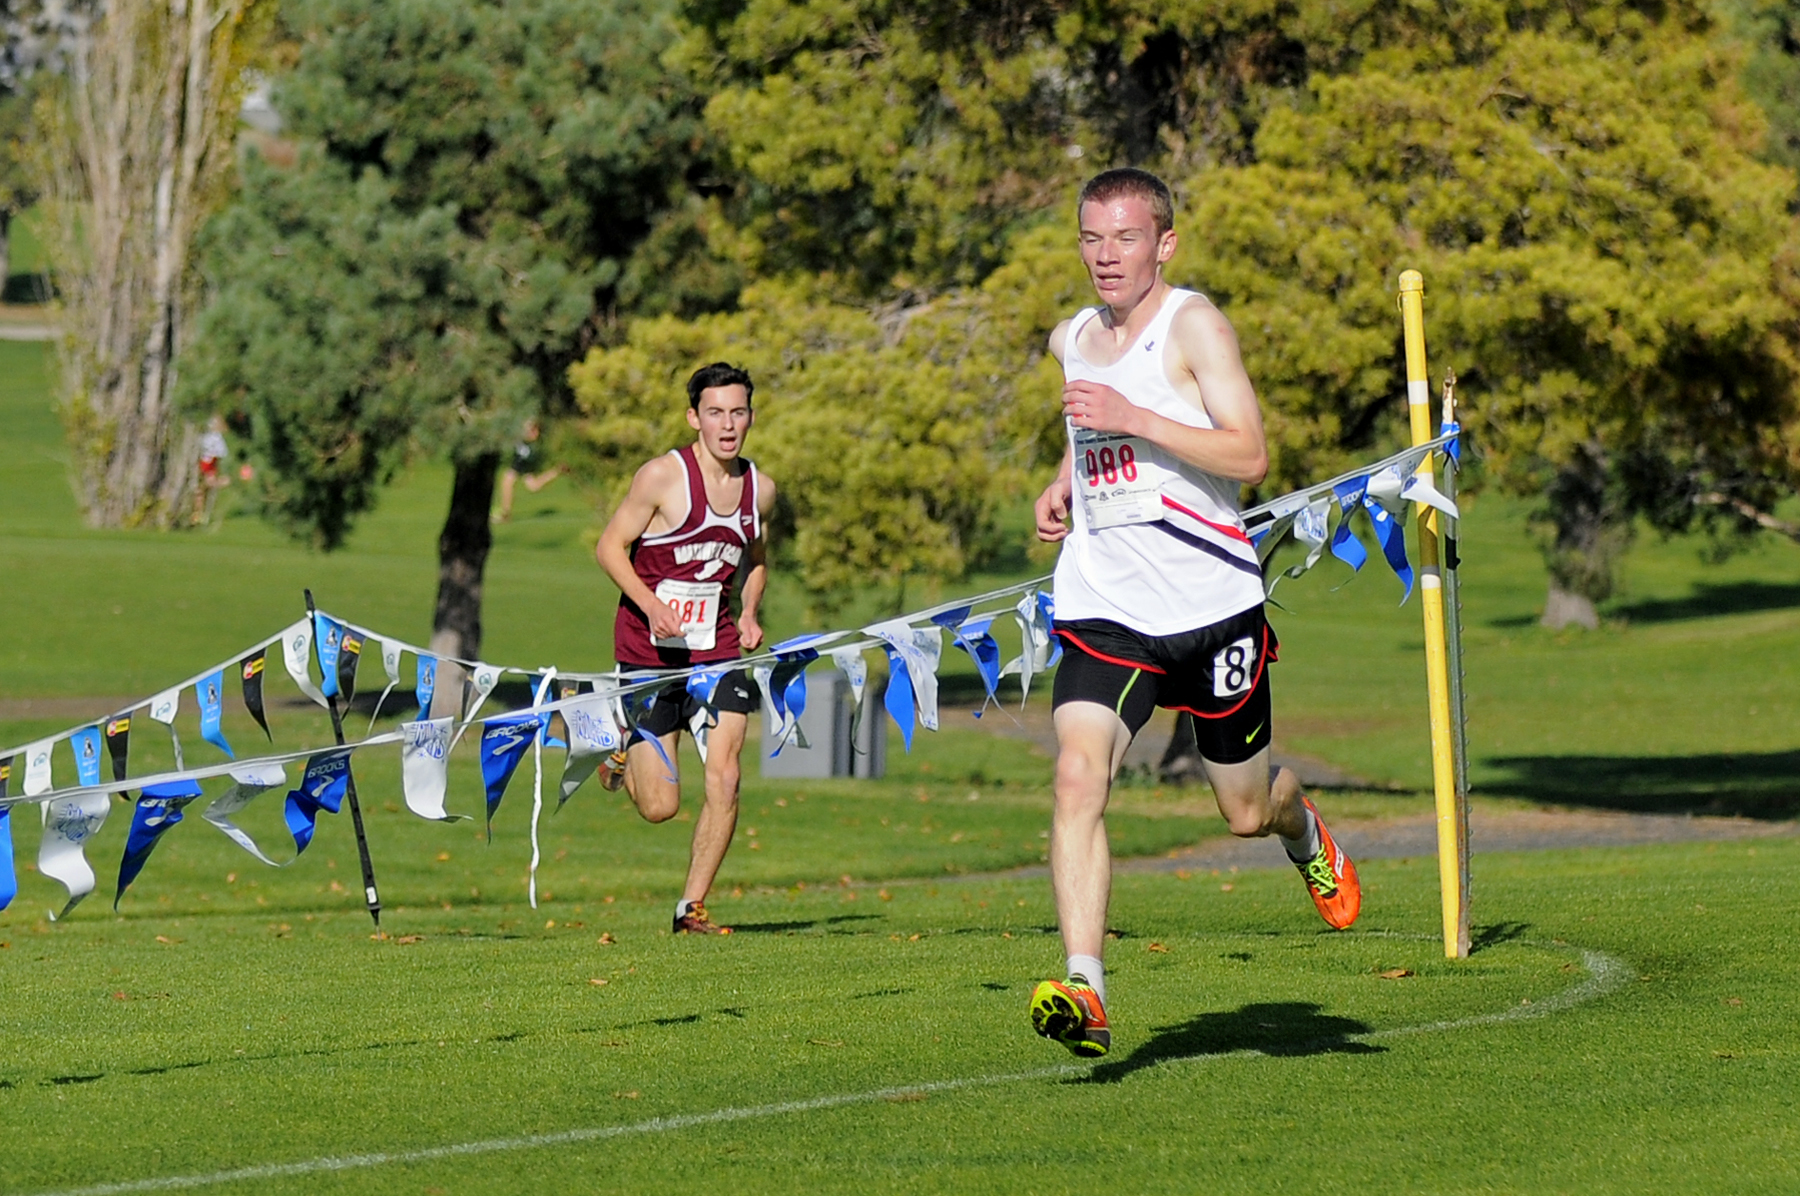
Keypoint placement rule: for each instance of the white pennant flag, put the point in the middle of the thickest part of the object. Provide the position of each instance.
(484, 677)
(765, 680)
(1393, 490)
(165, 706)
(390, 664)
(1312, 525)
(920, 649)
(855, 669)
(593, 735)
(296, 652)
(69, 822)
(37, 767)
(1034, 644)
(248, 784)
(425, 766)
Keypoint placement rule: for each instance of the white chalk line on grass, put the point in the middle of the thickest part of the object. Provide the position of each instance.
(1606, 974)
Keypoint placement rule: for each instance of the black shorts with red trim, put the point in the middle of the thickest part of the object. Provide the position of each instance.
(1218, 673)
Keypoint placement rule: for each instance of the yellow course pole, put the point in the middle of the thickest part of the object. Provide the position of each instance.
(1452, 863)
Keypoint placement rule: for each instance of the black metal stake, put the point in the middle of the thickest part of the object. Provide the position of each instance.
(356, 818)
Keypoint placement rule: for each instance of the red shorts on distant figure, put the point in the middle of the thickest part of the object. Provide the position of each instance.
(209, 467)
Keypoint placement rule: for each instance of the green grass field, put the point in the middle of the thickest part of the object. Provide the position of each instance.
(1626, 1022)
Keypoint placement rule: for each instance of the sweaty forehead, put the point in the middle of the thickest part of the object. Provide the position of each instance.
(1118, 214)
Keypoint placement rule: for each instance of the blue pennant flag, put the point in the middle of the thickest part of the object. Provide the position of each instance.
(975, 638)
(787, 690)
(322, 787)
(425, 684)
(328, 638)
(1392, 538)
(899, 700)
(86, 744)
(158, 808)
(1344, 545)
(1454, 448)
(1047, 607)
(705, 683)
(9, 881)
(503, 744)
(211, 690)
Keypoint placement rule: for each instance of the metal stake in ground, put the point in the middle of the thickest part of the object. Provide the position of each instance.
(337, 729)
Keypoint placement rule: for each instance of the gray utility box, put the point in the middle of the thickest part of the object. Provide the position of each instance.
(826, 722)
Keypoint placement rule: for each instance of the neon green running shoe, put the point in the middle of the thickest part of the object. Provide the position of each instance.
(1070, 1012)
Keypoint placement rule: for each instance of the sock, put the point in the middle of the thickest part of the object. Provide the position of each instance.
(1090, 969)
(682, 907)
(1307, 845)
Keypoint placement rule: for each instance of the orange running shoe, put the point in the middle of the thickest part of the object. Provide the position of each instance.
(696, 921)
(1071, 1013)
(612, 771)
(1330, 877)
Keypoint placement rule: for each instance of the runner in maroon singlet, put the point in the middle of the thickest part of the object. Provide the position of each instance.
(686, 541)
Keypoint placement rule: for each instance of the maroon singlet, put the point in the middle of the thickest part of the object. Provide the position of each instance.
(694, 568)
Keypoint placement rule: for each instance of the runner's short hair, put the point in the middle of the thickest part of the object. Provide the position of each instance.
(1130, 181)
(719, 373)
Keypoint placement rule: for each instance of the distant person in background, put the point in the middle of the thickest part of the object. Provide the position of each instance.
(524, 456)
(213, 451)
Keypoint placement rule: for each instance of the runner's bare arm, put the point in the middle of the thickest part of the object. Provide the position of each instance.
(750, 632)
(1052, 508)
(650, 490)
(1209, 362)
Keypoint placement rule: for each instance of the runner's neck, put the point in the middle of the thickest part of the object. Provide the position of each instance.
(1123, 325)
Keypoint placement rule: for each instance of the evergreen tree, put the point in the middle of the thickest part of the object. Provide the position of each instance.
(470, 182)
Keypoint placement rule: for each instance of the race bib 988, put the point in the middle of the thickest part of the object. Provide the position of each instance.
(1115, 479)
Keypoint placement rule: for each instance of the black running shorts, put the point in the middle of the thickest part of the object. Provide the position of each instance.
(1219, 674)
(675, 707)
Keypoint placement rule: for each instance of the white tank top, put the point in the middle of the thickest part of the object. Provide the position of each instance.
(1157, 544)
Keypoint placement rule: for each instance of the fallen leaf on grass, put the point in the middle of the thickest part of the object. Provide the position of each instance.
(120, 997)
(163, 938)
(885, 895)
(625, 1096)
(406, 940)
(599, 980)
(1734, 1000)
(1158, 948)
(902, 1098)
(1227, 887)
(606, 940)
(1724, 1055)
(1006, 934)
(912, 938)
(1395, 974)
(830, 1042)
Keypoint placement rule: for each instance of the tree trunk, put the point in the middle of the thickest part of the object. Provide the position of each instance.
(135, 159)
(1565, 607)
(462, 559)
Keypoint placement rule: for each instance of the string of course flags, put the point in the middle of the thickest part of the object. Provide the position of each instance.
(587, 714)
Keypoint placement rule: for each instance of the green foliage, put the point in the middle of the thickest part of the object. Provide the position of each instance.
(894, 433)
(1609, 268)
(1770, 29)
(471, 181)
(892, 147)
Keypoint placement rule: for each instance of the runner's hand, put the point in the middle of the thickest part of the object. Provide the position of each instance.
(750, 632)
(1101, 408)
(1053, 511)
(665, 624)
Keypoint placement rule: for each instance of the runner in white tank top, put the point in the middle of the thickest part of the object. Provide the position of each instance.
(1159, 597)
(1157, 544)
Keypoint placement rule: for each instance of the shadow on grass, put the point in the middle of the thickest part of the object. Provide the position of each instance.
(793, 927)
(1281, 1029)
(1747, 785)
(1734, 598)
(1500, 932)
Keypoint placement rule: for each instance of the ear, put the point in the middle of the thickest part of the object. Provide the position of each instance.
(693, 419)
(1165, 248)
